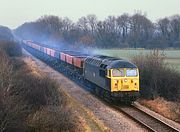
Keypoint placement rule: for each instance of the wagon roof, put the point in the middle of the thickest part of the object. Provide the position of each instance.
(74, 53)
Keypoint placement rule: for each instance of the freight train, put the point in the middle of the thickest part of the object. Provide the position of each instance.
(108, 76)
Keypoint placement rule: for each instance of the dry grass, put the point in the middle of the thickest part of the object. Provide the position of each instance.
(52, 111)
(85, 120)
(12, 109)
(52, 118)
(168, 109)
(30, 101)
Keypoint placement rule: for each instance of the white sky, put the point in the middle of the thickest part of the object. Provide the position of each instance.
(15, 12)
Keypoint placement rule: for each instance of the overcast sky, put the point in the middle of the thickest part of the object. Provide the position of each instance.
(15, 12)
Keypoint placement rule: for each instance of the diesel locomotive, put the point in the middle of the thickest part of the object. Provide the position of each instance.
(109, 76)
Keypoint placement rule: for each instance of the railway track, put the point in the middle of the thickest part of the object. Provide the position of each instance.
(145, 119)
(139, 116)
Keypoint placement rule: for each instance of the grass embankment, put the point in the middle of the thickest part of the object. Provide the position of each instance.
(160, 84)
(29, 101)
(168, 109)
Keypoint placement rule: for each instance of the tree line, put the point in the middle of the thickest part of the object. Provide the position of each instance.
(132, 31)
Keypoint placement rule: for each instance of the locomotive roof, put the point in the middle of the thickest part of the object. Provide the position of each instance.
(107, 62)
(121, 64)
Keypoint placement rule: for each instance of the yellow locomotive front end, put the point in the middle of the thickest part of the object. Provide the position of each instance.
(124, 82)
(124, 79)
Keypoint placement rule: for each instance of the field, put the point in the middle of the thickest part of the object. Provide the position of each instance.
(172, 56)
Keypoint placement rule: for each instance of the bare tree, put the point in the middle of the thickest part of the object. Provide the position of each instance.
(175, 27)
(123, 23)
(164, 27)
(92, 23)
(83, 24)
(141, 30)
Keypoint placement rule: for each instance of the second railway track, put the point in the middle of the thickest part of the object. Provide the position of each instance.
(145, 119)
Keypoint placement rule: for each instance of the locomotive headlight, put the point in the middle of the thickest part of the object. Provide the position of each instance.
(125, 80)
(116, 83)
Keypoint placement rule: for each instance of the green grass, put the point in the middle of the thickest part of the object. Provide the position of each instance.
(172, 56)
(175, 63)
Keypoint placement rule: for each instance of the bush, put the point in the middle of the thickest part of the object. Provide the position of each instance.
(11, 48)
(156, 77)
(36, 91)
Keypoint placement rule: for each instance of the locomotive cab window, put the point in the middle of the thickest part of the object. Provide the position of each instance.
(117, 72)
(131, 72)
